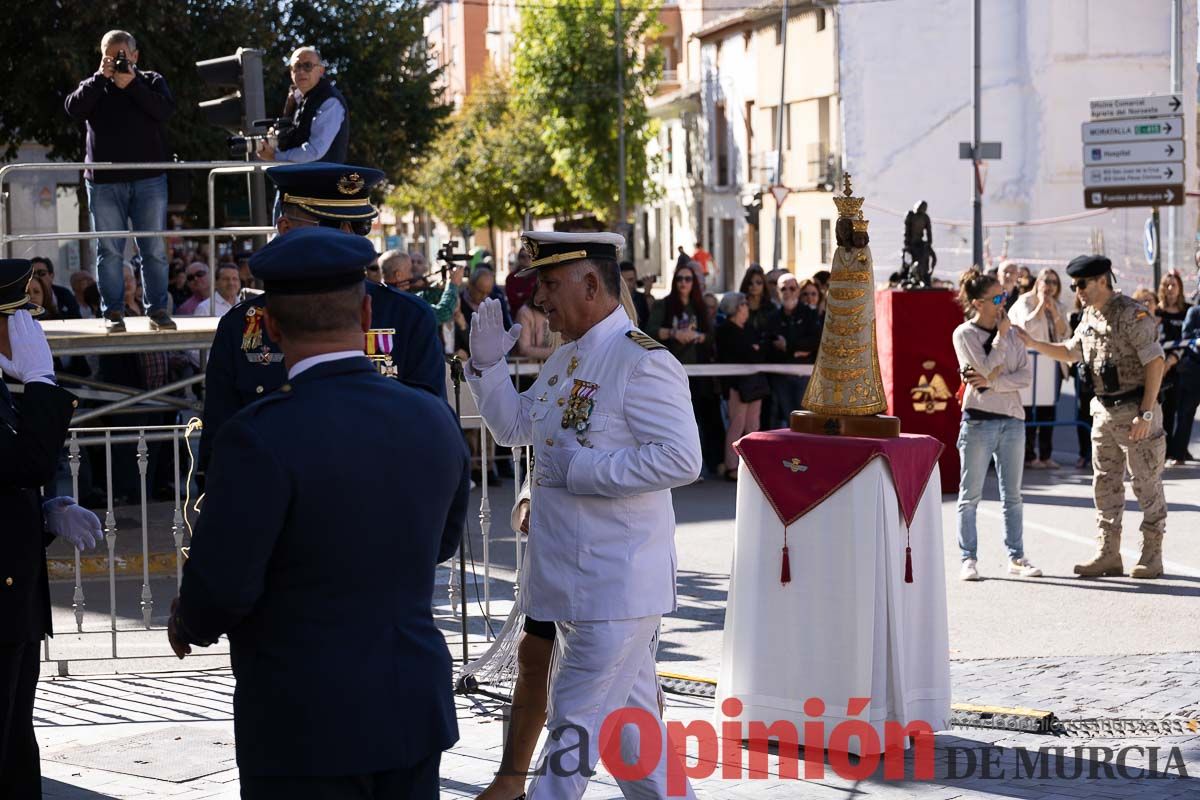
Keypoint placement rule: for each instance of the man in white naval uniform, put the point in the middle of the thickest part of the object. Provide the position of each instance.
(611, 425)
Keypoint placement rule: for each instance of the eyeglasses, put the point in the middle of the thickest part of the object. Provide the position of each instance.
(303, 66)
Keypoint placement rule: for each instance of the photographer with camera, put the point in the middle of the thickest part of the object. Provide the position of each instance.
(125, 110)
(320, 120)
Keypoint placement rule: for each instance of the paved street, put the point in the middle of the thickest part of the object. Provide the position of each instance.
(1112, 648)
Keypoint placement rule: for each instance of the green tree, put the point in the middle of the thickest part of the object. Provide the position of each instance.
(565, 73)
(489, 168)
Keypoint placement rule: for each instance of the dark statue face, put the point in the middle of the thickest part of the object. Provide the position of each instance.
(847, 236)
(844, 232)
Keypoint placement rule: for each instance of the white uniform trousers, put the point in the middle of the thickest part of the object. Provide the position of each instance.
(598, 668)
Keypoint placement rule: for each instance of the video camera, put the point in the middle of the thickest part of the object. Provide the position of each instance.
(248, 145)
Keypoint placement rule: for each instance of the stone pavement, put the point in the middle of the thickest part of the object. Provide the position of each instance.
(171, 735)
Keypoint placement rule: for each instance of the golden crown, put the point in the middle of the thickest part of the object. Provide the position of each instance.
(848, 207)
(860, 224)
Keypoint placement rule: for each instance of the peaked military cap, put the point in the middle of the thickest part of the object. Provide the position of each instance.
(14, 277)
(329, 191)
(1088, 266)
(312, 260)
(551, 249)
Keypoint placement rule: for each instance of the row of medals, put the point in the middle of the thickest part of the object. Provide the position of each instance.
(579, 405)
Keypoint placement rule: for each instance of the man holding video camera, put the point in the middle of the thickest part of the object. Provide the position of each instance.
(320, 121)
(126, 110)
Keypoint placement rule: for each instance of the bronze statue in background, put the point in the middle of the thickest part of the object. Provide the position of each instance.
(918, 258)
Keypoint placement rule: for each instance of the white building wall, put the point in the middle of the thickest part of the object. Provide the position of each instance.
(42, 201)
(905, 78)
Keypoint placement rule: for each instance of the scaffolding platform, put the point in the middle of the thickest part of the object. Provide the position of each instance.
(87, 337)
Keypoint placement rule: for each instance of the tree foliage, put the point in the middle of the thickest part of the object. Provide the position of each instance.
(376, 51)
(565, 74)
(489, 168)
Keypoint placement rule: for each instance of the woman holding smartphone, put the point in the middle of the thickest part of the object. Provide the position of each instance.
(995, 368)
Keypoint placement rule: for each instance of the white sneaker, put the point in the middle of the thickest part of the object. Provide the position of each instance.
(968, 572)
(1022, 567)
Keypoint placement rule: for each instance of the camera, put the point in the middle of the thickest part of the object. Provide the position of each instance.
(967, 371)
(248, 145)
(121, 63)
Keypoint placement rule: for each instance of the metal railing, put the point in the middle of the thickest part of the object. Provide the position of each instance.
(211, 232)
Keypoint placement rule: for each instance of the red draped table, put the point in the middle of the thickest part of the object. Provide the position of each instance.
(857, 609)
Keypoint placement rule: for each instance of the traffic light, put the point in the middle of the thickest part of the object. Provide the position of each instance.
(242, 72)
(751, 205)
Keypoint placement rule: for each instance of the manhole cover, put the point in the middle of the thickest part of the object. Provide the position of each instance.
(177, 754)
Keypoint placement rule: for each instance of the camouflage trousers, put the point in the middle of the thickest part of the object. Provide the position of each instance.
(1112, 451)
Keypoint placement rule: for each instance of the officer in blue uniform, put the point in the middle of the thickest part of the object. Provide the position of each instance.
(323, 579)
(33, 427)
(245, 365)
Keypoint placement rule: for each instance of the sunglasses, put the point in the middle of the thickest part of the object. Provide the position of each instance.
(373, 268)
(1077, 285)
(197, 274)
(303, 66)
(683, 279)
(41, 273)
(789, 289)
(999, 299)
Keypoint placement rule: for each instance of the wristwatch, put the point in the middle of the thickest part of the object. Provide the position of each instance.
(1148, 415)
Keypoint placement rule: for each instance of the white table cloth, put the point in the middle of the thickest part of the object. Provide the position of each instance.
(847, 625)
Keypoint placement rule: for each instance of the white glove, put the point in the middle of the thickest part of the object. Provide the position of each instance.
(73, 522)
(489, 341)
(31, 360)
(554, 462)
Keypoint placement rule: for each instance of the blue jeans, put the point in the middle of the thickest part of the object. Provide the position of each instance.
(980, 441)
(115, 207)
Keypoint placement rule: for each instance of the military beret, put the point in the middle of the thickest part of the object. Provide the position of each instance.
(551, 249)
(14, 277)
(312, 260)
(328, 191)
(1089, 266)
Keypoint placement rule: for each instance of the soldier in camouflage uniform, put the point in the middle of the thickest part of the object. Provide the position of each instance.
(1117, 340)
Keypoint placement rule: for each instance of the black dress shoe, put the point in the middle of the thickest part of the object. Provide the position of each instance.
(114, 322)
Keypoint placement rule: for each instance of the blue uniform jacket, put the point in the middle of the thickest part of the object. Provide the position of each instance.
(329, 505)
(241, 371)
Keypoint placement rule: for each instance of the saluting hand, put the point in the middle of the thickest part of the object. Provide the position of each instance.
(489, 341)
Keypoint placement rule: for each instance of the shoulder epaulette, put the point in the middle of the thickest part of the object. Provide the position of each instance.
(643, 340)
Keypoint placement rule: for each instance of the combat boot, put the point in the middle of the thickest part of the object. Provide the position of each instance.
(1107, 560)
(1150, 564)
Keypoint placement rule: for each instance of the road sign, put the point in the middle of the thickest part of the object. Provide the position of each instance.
(1132, 174)
(780, 194)
(1138, 129)
(1133, 196)
(1164, 152)
(1152, 105)
(987, 150)
(1150, 240)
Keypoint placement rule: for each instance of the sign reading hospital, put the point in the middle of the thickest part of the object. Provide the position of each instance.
(1165, 152)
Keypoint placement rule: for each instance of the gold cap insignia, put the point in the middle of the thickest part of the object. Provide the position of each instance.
(351, 184)
(530, 246)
